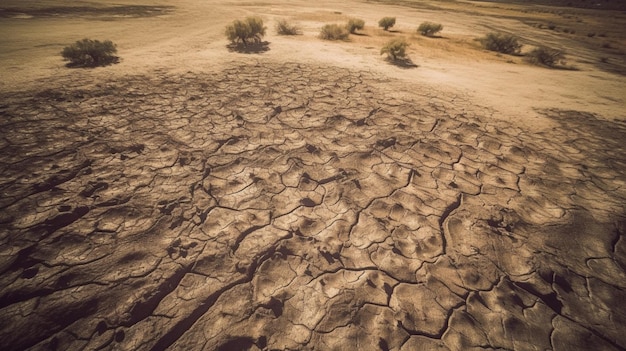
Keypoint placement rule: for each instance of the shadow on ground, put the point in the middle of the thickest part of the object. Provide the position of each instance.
(252, 48)
(406, 63)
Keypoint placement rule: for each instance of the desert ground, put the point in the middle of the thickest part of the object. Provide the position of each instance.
(312, 195)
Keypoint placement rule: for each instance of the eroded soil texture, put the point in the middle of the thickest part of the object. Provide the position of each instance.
(275, 207)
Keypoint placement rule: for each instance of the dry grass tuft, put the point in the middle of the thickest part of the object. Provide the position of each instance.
(334, 32)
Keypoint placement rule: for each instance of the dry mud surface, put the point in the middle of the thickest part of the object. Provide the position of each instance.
(311, 208)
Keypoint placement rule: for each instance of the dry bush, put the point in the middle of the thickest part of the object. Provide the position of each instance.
(544, 56)
(395, 49)
(502, 42)
(334, 32)
(387, 22)
(355, 24)
(243, 31)
(283, 27)
(90, 53)
(429, 29)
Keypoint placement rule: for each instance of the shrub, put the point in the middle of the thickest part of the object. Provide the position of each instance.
(242, 31)
(387, 22)
(429, 29)
(90, 53)
(395, 49)
(502, 42)
(334, 32)
(545, 56)
(285, 28)
(355, 24)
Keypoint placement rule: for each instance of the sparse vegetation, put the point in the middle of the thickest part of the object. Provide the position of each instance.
(429, 29)
(502, 42)
(387, 22)
(395, 49)
(355, 24)
(90, 53)
(545, 56)
(244, 31)
(334, 32)
(283, 27)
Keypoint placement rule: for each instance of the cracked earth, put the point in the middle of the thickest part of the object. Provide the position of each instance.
(311, 208)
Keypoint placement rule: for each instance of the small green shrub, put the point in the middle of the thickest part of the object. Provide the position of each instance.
(545, 56)
(285, 28)
(355, 24)
(250, 29)
(502, 42)
(334, 32)
(90, 53)
(387, 22)
(429, 29)
(395, 49)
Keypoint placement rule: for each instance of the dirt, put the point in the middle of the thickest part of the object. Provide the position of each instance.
(310, 195)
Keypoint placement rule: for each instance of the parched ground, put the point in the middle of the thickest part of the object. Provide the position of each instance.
(312, 208)
(279, 200)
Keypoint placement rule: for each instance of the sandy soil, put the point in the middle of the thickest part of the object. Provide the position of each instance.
(191, 38)
(313, 195)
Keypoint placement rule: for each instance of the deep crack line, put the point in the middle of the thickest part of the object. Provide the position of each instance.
(180, 328)
(444, 216)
